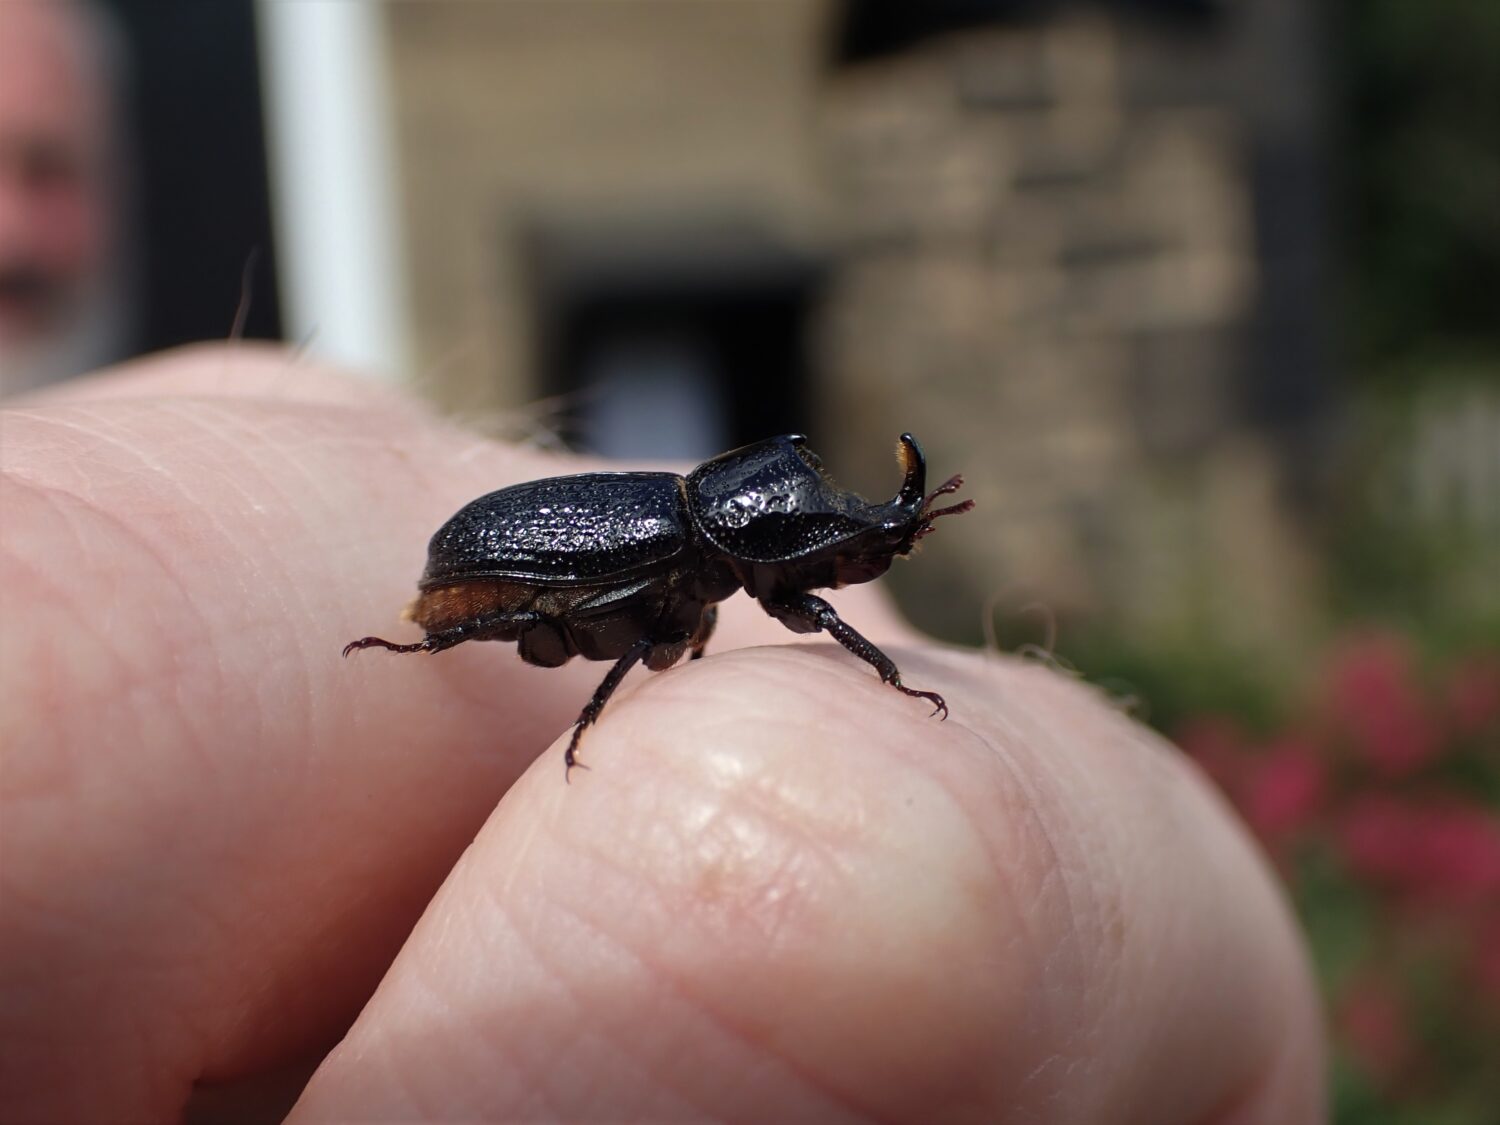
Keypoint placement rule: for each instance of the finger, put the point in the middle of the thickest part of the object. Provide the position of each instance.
(242, 370)
(784, 893)
(216, 832)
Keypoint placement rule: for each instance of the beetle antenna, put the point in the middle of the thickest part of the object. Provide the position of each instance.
(950, 510)
(952, 484)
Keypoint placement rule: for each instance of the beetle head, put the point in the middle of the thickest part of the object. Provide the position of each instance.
(903, 520)
(772, 502)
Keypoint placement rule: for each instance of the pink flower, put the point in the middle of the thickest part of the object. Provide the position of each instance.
(1448, 851)
(1486, 963)
(1460, 847)
(1286, 788)
(1376, 833)
(1372, 697)
(1473, 694)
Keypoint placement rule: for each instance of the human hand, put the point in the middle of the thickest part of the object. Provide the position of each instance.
(783, 892)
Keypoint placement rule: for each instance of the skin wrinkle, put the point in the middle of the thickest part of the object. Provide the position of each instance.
(1019, 913)
(1038, 747)
(1254, 1099)
(124, 532)
(1108, 991)
(602, 930)
(293, 604)
(537, 1076)
(194, 436)
(98, 435)
(773, 886)
(1100, 973)
(599, 1030)
(199, 632)
(678, 987)
(842, 678)
(679, 684)
(57, 762)
(127, 682)
(480, 1066)
(760, 793)
(763, 802)
(235, 575)
(844, 1096)
(1154, 1042)
(1180, 935)
(1074, 880)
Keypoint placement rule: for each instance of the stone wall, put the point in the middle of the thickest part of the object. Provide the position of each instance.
(1046, 264)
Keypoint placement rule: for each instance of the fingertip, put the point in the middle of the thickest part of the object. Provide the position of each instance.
(746, 867)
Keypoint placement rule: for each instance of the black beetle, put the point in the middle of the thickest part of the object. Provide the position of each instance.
(629, 566)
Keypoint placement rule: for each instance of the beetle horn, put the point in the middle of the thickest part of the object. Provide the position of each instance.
(914, 465)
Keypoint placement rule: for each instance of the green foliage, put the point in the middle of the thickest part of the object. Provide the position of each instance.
(1429, 568)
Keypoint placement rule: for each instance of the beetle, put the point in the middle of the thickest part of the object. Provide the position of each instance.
(630, 567)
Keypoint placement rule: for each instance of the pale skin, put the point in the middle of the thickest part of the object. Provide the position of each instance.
(781, 892)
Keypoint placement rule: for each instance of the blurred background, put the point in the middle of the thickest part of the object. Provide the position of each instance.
(1202, 297)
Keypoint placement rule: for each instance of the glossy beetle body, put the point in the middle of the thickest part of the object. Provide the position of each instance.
(630, 566)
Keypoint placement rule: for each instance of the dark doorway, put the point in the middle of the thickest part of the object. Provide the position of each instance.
(675, 346)
(202, 212)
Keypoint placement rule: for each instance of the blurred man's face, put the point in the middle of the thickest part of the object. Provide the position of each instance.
(55, 207)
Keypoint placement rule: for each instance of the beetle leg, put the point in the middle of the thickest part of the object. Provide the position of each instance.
(814, 614)
(447, 638)
(601, 696)
(705, 630)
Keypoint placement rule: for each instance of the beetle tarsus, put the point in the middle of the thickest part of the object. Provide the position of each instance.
(601, 695)
(379, 642)
(939, 705)
(570, 761)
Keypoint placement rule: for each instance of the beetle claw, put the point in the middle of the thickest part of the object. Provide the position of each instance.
(940, 705)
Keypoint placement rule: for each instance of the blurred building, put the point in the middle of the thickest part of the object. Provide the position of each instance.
(1075, 248)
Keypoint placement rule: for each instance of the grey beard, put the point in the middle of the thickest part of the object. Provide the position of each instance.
(97, 332)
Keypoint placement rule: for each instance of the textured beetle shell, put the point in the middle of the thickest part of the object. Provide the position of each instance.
(763, 494)
(563, 531)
